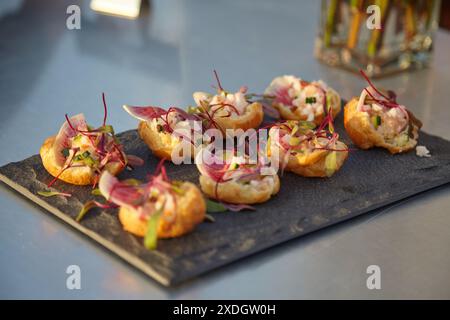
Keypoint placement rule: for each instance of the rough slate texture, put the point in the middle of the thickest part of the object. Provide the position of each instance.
(368, 180)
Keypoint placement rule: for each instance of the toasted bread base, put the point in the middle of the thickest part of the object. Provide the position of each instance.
(287, 114)
(365, 136)
(251, 119)
(191, 209)
(239, 193)
(159, 142)
(313, 165)
(78, 175)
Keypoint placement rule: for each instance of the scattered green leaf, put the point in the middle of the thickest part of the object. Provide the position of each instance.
(53, 193)
(87, 206)
(213, 206)
(209, 218)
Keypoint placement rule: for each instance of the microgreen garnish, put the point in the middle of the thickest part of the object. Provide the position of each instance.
(218, 81)
(90, 205)
(53, 193)
(102, 143)
(389, 101)
(303, 136)
(213, 206)
(139, 197)
(226, 167)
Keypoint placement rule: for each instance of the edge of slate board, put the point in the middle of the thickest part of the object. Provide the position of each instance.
(163, 274)
(166, 281)
(130, 258)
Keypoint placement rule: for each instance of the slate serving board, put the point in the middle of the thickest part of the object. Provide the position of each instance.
(368, 180)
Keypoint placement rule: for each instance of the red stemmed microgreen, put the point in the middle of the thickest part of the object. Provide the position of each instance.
(221, 105)
(105, 109)
(388, 101)
(219, 85)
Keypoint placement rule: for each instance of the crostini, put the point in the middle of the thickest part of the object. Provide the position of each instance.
(78, 154)
(296, 146)
(297, 99)
(157, 209)
(232, 179)
(229, 110)
(375, 119)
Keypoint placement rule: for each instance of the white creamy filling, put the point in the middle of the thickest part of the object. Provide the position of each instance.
(237, 100)
(282, 82)
(174, 140)
(299, 96)
(266, 182)
(220, 101)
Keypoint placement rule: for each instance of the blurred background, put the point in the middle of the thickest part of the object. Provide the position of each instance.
(164, 55)
(159, 58)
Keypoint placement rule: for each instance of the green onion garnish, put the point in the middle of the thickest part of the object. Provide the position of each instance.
(310, 100)
(151, 236)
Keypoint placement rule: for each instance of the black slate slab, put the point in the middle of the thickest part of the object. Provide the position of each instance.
(368, 180)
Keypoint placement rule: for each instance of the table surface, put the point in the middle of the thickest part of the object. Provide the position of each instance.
(160, 59)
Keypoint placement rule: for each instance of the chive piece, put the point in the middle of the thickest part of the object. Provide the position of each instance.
(89, 161)
(310, 100)
(294, 141)
(330, 163)
(234, 166)
(65, 152)
(151, 236)
(77, 137)
(376, 121)
(209, 218)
